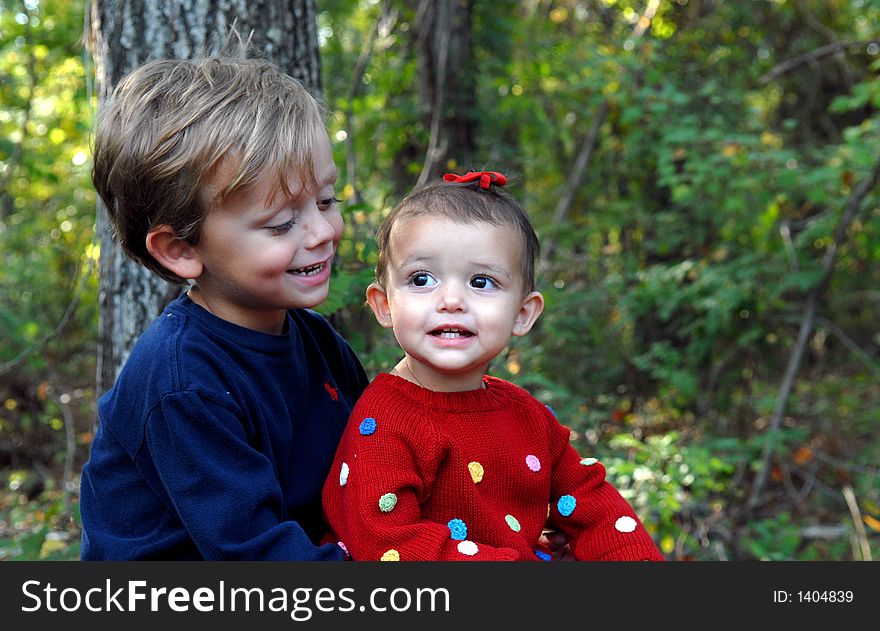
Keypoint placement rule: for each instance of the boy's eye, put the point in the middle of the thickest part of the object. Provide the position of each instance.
(324, 204)
(282, 228)
(483, 282)
(422, 279)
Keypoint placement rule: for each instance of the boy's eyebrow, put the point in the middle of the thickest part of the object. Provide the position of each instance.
(278, 198)
(330, 177)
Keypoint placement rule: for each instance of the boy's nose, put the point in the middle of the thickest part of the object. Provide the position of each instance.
(319, 228)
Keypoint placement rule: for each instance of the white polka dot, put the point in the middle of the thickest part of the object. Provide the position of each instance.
(343, 474)
(467, 547)
(625, 524)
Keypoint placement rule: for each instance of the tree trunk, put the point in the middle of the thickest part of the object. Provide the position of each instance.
(126, 33)
(446, 84)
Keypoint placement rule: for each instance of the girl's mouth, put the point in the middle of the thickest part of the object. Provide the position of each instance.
(449, 333)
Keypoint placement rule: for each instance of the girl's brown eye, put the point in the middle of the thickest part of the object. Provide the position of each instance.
(483, 282)
(422, 279)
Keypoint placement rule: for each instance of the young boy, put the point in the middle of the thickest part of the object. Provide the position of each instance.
(441, 461)
(220, 430)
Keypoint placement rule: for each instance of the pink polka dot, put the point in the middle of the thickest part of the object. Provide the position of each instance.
(533, 463)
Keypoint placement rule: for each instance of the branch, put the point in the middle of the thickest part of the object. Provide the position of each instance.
(576, 175)
(808, 320)
(850, 343)
(5, 367)
(811, 57)
(842, 464)
(439, 95)
(578, 169)
(803, 8)
(860, 545)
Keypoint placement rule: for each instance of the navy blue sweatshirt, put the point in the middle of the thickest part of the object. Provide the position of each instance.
(215, 441)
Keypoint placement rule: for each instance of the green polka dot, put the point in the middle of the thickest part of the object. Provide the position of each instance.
(512, 522)
(589, 461)
(387, 502)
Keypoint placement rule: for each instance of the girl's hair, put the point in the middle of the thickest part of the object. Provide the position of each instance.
(169, 124)
(463, 203)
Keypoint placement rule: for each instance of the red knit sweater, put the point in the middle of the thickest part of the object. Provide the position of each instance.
(470, 476)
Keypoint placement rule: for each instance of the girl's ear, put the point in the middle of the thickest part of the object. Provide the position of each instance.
(173, 253)
(378, 301)
(529, 312)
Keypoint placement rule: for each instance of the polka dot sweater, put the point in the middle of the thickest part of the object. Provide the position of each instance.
(470, 476)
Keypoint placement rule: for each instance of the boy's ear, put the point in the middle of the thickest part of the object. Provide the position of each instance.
(378, 301)
(173, 253)
(529, 312)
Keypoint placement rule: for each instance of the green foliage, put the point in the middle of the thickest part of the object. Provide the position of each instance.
(676, 281)
(774, 539)
(48, 281)
(47, 217)
(673, 486)
(36, 524)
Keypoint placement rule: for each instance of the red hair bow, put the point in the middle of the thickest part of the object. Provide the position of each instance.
(486, 178)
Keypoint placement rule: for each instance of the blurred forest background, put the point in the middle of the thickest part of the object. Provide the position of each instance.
(704, 178)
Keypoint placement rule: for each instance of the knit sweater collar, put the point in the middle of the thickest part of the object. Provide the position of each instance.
(492, 396)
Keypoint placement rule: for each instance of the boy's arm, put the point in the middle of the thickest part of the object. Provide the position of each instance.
(382, 473)
(226, 493)
(599, 523)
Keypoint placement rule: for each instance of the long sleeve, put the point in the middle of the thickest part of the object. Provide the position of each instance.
(599, 523)
(230, 512)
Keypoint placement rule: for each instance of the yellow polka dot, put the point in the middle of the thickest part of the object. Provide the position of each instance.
(476, 470)
(391, 555)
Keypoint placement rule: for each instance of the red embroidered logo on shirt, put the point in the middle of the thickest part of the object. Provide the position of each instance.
(333, 392)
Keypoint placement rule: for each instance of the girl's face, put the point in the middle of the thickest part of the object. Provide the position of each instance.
(453, 298)
(262, 254)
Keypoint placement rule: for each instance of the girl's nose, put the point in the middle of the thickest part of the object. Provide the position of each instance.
(451, 298)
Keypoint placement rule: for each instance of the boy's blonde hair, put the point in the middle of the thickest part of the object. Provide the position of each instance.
(170, 123)
(463, 203)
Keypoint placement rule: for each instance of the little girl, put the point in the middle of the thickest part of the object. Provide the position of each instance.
(441, 461)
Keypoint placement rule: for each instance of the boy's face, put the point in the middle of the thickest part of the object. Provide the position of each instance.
(453, 297)
(261, 254)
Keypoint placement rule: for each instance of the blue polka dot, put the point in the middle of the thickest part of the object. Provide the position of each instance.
(566, 505)
(368, 426)
(542, 555)
(552, 411)
(457, 529)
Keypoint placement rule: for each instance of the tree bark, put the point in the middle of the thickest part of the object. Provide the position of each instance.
(446, 83)
(126, 33)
